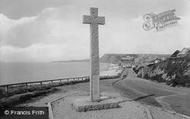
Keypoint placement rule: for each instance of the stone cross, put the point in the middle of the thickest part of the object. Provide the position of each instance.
(94, 20)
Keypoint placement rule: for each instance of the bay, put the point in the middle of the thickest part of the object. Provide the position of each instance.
(24, 72)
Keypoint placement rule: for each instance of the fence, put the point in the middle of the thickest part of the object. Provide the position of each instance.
(29, 86)
(17, 88)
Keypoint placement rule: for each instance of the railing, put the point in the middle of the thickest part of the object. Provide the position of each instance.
(16, 88)
(26, 86)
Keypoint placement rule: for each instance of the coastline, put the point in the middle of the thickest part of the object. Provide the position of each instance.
(37, 71)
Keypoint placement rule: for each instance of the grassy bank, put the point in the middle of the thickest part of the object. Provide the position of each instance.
(21, 98)
(20, 94)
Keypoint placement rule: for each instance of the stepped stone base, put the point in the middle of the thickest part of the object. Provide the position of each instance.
(83, 103)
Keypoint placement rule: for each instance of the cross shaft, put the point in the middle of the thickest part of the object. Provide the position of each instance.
(94, 21)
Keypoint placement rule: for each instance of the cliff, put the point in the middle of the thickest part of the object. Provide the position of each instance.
(138, 58)
(115, 58)
(175, 70)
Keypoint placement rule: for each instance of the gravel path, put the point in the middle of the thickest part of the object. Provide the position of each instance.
(128, 110)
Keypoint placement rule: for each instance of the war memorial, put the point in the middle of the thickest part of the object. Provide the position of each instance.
(130, 86)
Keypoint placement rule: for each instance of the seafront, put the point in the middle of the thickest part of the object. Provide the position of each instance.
(129, 107)
(108, 71)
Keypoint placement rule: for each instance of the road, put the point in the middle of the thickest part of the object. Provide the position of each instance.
(153, 93)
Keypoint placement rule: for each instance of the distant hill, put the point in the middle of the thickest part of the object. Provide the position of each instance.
(116, 58)
(83, 60)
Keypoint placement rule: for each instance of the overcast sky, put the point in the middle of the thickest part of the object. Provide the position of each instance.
(51, 30)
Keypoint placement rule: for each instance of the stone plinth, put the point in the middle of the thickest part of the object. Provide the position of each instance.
(83, 103)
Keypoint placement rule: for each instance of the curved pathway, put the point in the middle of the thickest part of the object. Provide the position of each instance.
(153, 93)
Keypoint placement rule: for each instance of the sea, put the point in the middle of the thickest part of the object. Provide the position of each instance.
(24, 72)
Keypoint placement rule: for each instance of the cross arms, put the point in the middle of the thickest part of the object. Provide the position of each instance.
(93, 20)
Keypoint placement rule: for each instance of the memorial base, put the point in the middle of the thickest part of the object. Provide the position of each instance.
(83, 103)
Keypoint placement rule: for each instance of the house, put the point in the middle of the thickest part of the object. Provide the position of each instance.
(127, 61)
(184, 52)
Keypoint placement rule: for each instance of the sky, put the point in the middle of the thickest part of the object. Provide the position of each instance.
(52, 30)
